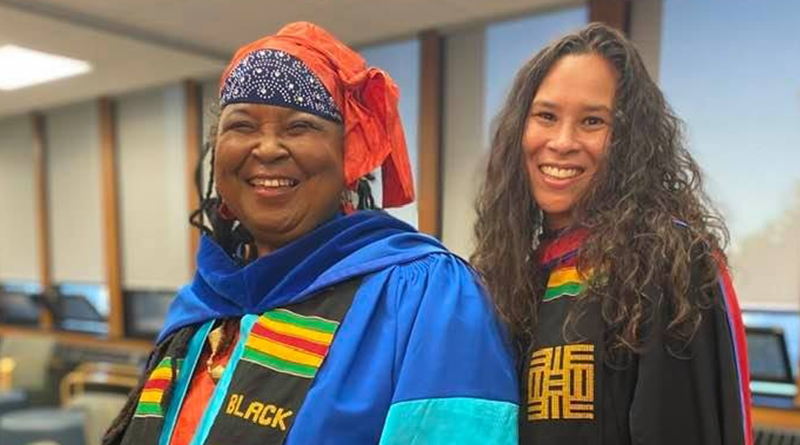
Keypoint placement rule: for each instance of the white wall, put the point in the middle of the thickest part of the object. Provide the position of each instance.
(211, 111)
(19, 248)
(209, 91)
(151, 169)
(75, 199)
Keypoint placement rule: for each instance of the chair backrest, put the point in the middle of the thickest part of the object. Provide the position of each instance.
(89, 388)
(31, 355)
(100, 410)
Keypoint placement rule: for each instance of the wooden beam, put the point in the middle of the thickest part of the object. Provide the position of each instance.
(42, 211)
(797, 399)
(616, 13)
(194, 141)
(108, 150)
(430, 133)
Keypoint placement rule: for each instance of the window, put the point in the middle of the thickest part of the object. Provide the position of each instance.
(730, 70)
(510, 44)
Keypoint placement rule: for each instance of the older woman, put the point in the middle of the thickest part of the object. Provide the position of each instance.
(600, 247)
(309, 322)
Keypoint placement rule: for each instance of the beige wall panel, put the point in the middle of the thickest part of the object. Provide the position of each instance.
(151, 162)
(19, 253)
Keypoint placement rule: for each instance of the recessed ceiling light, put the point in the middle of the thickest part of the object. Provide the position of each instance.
(22, 67)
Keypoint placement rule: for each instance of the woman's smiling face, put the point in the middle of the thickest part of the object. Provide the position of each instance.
(280, 171)
(567, 133)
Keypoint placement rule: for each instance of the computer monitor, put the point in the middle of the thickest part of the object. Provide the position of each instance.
(771, 379)
(82, 307)
(788, 320)
(768, 356)
(145, 311)
(18, 307)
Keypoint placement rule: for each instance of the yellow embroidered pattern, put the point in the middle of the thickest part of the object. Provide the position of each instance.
(561, 383)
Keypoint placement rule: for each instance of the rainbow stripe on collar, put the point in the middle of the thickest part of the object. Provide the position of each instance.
(564, 281)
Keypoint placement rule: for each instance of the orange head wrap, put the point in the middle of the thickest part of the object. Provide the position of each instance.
(366, 98)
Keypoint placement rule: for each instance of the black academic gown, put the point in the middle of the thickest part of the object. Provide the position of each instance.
(669, 393)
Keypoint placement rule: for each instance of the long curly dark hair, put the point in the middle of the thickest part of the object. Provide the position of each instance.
(647, 215)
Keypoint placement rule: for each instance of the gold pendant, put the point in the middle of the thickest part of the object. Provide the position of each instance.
(216, 372)
(214, 341)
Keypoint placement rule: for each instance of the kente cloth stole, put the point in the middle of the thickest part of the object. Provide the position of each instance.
(265, 382)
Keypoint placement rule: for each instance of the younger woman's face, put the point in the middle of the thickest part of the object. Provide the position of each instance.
(567, 133)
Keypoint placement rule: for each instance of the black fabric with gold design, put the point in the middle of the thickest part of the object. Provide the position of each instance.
(571, 394)
(560, 381)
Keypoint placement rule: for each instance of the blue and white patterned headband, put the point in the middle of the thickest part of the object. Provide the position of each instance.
(274, 77)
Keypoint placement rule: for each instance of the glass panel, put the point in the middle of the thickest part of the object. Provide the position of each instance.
(730, 70)
(510, 44)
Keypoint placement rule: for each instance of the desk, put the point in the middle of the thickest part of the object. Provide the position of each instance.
(780, 418)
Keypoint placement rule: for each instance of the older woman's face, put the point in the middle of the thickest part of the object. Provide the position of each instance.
(567, 133)
(279, 170)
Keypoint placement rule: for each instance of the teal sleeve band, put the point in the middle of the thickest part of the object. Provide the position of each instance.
(465, 421)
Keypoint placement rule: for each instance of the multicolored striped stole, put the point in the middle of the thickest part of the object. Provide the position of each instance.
(148, 419)
(290, 343)
(150, 401)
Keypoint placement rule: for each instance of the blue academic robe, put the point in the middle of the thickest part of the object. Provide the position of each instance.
(420, 357)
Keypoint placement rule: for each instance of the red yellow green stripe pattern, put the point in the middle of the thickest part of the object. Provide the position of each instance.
(290, 343)
(564, 281)
(150, 401)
